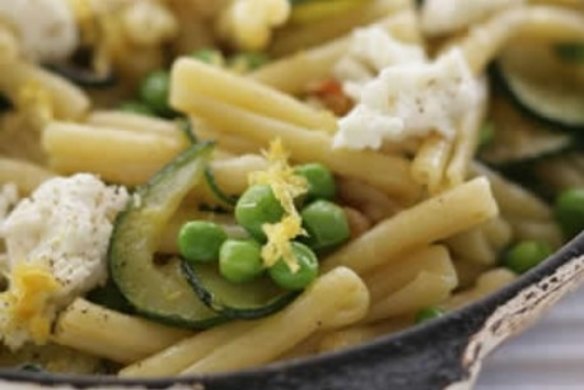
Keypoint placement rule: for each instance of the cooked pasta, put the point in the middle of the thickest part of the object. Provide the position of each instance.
(197, 187)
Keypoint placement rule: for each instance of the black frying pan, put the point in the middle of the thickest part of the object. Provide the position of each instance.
(445, 353)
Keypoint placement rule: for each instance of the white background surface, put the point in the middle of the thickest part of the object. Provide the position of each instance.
(548, 356)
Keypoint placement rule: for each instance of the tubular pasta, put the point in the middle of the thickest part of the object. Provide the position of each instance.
(291, 74)
(292, 39)
(91, 328)
(437, 218)
(190, 76)
(307, 146)
(336, 299)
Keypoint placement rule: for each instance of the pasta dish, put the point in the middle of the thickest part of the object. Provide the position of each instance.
(192, 187)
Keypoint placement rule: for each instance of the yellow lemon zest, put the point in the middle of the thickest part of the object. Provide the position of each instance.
(286, 186)
(26, 303)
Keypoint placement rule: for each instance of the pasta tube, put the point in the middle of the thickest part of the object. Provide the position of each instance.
(190, 76)
(435, 219)
(487, 283)
(483, 42)
(373, 203)
(336, 299)
(474, 246)
(68, 101)
(429, 165)
(106, 333)
(293, 73)
(514, 200)
(359, 334)
(429, 288)
(136, 122)
(293, 39)
(389, 278)
(120, 156)
(181, 355)
(305, 145)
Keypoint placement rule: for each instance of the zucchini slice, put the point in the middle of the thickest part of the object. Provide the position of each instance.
(519, 138)
(544, 85)
(251, 300)
(159, 292)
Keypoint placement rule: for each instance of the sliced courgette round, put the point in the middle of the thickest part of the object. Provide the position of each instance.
(543, 84)
(157, 291)
(255, 299)
(519, 138)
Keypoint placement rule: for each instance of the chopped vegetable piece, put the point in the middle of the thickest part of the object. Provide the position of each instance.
(571, 52)
(569, 210)
(256, 299)
(200, 241)
(240, 261)
(137, 108)
(326, 224)
(526, 255)
(209, 56)
(256, 207)
(154, 92)
(321, 183)
(308, 271)
(159, 291)
(428, 313)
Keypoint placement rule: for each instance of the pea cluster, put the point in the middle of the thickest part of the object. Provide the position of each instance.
(154, 90)
(240, 260)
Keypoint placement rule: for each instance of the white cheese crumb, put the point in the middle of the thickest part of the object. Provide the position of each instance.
(370, 51)
(447, 16)
(66, 226)
(410, 100)
(46, 28)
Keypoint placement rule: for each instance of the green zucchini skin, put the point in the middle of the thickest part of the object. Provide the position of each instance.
(159, 292)
(519, 139)
(543, 110)
(217, 297)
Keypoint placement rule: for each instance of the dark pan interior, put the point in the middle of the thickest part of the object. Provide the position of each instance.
(428, 356)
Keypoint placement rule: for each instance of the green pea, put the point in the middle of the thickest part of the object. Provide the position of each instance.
(571, 52)
(526, 255)
(200, 241)
(136, 108)
(569, 211)
(209, 56)
(246, 62)
(240, 261)
(154, 92)
(428, 313)
(256, 207)
(326, 225)
(308, 271)
(321, 183)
